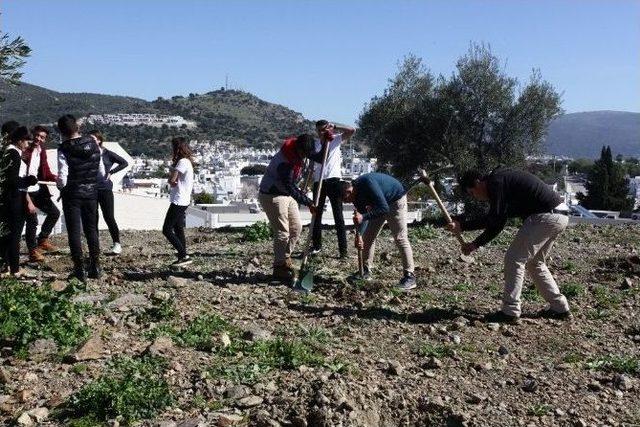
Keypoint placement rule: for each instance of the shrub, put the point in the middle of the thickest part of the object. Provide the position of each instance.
(424, 232)
(257, 232)
(131, 389)
(619, 364)
(203, 199)
(29, 312)
(572, 290)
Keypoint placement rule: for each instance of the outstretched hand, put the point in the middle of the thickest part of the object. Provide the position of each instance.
(357, 218)
(358, 242)
(454, 227)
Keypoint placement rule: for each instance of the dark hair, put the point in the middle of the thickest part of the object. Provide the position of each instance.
(469, 178)
(306, 144)
(344, 186)
(321, 123)
(9, 127)
(67, 125)
(20, 134)
(99, 136)
(181, 150)
(39, 128)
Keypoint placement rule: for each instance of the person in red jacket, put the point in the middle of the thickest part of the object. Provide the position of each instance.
(39, 196)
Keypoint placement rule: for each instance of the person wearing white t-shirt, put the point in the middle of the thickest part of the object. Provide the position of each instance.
(335, 136)
(181, 182)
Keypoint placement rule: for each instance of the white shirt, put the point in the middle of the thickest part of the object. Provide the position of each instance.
(333, 166)
(63, 170)
(181, 192)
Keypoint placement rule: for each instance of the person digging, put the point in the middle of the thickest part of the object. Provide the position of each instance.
(380, 198)
(512, 193)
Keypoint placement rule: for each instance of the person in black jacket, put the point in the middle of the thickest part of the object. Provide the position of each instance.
(13, 196)
(105, 189)
(78, 168)
(516, 194)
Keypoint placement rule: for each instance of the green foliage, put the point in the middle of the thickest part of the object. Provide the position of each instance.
(164, 310)
(606, 186)
(530, 293)
(539, 409)
(462, 287)
(201, 333)
(477, 118)
(435, 350)
(257, 232)
(29, 312)
(605, 298)
(203, 198)
(619, 364)
(285, 353)
(12, 58)
(572, 290)
(424, 232)
(131, 389)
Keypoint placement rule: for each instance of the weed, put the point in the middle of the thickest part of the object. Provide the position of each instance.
(432, 350)
(530, 293)
(424, 232)
(619, 364)
(426, 297)
(79, 368)
(308, 299)
(339, 366)
(605, 299)
(573, 358)
(257, 232)
(238, 373)
(539, 409)
(165, 310)
(29, 312)
(462, 287)
(200, 333)
(131, 389)
(570, 266)
(572, 290)
(286, 353)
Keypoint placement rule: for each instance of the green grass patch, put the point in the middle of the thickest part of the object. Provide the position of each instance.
(435, 350)
(164, 310)
(424, 232)
(618, 364)
(539, 409)
(570, 266)
(130, 390)
(29, 312)
(201, 333)
(572, 290)
(257, 232)
(462, 287)
(605, 298)
(530, 293)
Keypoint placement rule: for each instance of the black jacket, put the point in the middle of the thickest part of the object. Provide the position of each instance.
(83, 159)
(109, 158)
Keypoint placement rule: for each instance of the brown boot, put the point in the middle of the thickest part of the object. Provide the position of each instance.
(283, 272)
(45, 245)
(35, 255)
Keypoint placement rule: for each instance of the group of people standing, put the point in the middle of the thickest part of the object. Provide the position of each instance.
(85, 168)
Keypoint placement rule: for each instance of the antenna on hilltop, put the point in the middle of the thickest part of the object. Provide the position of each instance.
(226, 82)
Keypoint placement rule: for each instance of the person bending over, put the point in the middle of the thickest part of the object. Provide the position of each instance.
(380, 198)
(512, 193)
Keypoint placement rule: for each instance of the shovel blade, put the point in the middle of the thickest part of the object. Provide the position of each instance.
(304, 282)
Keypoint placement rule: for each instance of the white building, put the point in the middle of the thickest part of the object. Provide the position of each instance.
(137, 119)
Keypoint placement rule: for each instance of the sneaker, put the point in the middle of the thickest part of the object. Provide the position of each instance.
(552, 314)
(501, 317)
(116, 249)
(45, 245)
(35, 256)
(181, 262)
(407, 282)
(95, 272)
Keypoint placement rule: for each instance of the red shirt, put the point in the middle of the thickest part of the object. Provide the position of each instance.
(44, 172)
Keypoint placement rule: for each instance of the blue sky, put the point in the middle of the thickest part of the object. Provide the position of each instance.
(325, 59)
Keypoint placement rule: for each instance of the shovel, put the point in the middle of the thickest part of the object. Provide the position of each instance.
(304, 280)
(434, 193)
(360, 258)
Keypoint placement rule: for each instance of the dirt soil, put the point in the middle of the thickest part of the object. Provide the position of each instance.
(426, 357)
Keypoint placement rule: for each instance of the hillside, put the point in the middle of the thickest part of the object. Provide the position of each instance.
(583, 134)
(227, 115)
(218, 344)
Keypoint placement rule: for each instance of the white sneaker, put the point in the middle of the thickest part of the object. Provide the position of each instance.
(116, 249)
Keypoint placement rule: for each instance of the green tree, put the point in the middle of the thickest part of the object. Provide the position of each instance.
(477, 118)
(13, 54)
(606, 186)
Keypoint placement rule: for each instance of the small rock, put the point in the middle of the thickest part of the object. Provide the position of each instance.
(4, 376)
(503, 351)
(456, 339)
(487, 366)
(255, 333)
(24, 395)
(477, 398)
(42, 349)
(225, 341)
(236, 392)
(264, 315)
(176, 282)
(594, 386)
(166, 423)
(493, 326)
(255, 261)
(128, 301)
(622, 382)
(385, 256)
(627, 283)
(200, 277)
(39, 414)
(559, 412)
(249, 401)
(90, 299)
(58, 285)
(433, 363)
(161, 295)
(90, 350)
(530, 385)
(395, 368)
(580, 423)
(25, 420)
(161, 346)
(225, 420)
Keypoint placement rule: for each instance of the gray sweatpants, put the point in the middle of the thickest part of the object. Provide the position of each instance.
(527, 253)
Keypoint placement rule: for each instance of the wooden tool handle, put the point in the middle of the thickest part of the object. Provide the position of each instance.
(360, 258)
(444, 211)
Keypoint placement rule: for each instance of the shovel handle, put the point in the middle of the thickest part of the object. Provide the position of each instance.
(360, 258)
(444, 210)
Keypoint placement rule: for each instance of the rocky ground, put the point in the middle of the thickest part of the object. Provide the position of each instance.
(348, 354)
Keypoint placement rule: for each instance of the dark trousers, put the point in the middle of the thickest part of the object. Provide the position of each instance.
(105, 200)
(330, 187)
(82, 215)
(13, 219)
(173, 228)
(42, 200)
